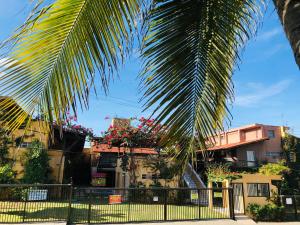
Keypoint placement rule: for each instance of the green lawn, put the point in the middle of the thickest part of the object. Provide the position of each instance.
(49, 211)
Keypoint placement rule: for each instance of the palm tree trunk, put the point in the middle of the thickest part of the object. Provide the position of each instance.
(289, 14)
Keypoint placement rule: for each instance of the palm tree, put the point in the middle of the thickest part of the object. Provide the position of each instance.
(289, 14)
(190, 49)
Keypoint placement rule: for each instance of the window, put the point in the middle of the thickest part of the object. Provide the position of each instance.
(271, 134)
(154, 176)
(258, 190)
(25, 145)
(273, 154)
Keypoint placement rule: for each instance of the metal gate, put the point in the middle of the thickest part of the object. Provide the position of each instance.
(46, 203)
(291, 205)
(106, 205)
(238, 198)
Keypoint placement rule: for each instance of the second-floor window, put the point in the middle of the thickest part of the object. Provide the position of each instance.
(25, 144)
(155, 176)
(271, 134)
(258, 190)
(273, 154)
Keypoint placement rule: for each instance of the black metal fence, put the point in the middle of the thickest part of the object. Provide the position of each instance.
(34, 203)
(41, 203)
(291, 205)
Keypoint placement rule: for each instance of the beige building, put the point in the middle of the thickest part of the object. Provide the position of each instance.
(58, 148)
(106, 168)
(253, 188)
(21, 140)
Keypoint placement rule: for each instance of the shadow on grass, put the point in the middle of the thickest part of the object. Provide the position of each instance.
(105, 213)
(61, 214)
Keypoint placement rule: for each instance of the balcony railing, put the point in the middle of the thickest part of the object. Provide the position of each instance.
(240, 164)
(244, 164)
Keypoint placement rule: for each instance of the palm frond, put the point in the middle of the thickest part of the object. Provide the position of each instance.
(190, 50)
(56, 54)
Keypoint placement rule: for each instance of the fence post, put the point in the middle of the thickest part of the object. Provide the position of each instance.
(90, 206)
(165, 204)
(295, 207)
(70, 203)
(24, 210)
(199, 207)
(130, 195)
(231, 206)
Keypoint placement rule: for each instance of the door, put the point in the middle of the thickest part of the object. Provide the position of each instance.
(238, 198)
(250, 158)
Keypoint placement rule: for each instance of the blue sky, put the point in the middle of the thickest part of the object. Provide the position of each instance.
(266, 83)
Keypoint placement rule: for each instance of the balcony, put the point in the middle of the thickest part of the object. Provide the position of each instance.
(244, 164)
(107, 162)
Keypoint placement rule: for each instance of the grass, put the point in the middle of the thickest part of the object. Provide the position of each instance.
(104, 213)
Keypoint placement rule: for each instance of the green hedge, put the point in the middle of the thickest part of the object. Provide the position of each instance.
(268, 212)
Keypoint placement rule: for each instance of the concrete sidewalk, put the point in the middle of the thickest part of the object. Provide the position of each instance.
(37, 223)
(240, 220)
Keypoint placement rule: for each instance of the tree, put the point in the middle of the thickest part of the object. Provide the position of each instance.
(219, 172)
(162, 166)
(36, 168)
(145, 135)
(190, 49)
(289, 14)
(289, 145)
(4, 141)
(274, 168)
(7, 174)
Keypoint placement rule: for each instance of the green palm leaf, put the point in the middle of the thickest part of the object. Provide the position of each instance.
(190, 50)
(58, 51)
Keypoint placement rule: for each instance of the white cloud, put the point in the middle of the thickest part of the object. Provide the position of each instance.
(267, 53)
(265, 36)
(272, 51)
(261, 93)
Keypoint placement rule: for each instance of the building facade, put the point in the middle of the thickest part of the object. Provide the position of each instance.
(244, 150)
(249, 145)
(61, 149)
(107, 169)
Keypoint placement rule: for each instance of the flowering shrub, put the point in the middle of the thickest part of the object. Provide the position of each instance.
(268, 212)
(69, 125)
(274, 169)
(146, 134)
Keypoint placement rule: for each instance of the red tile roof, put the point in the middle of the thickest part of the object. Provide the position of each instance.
(234, 145)
(106, 148)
